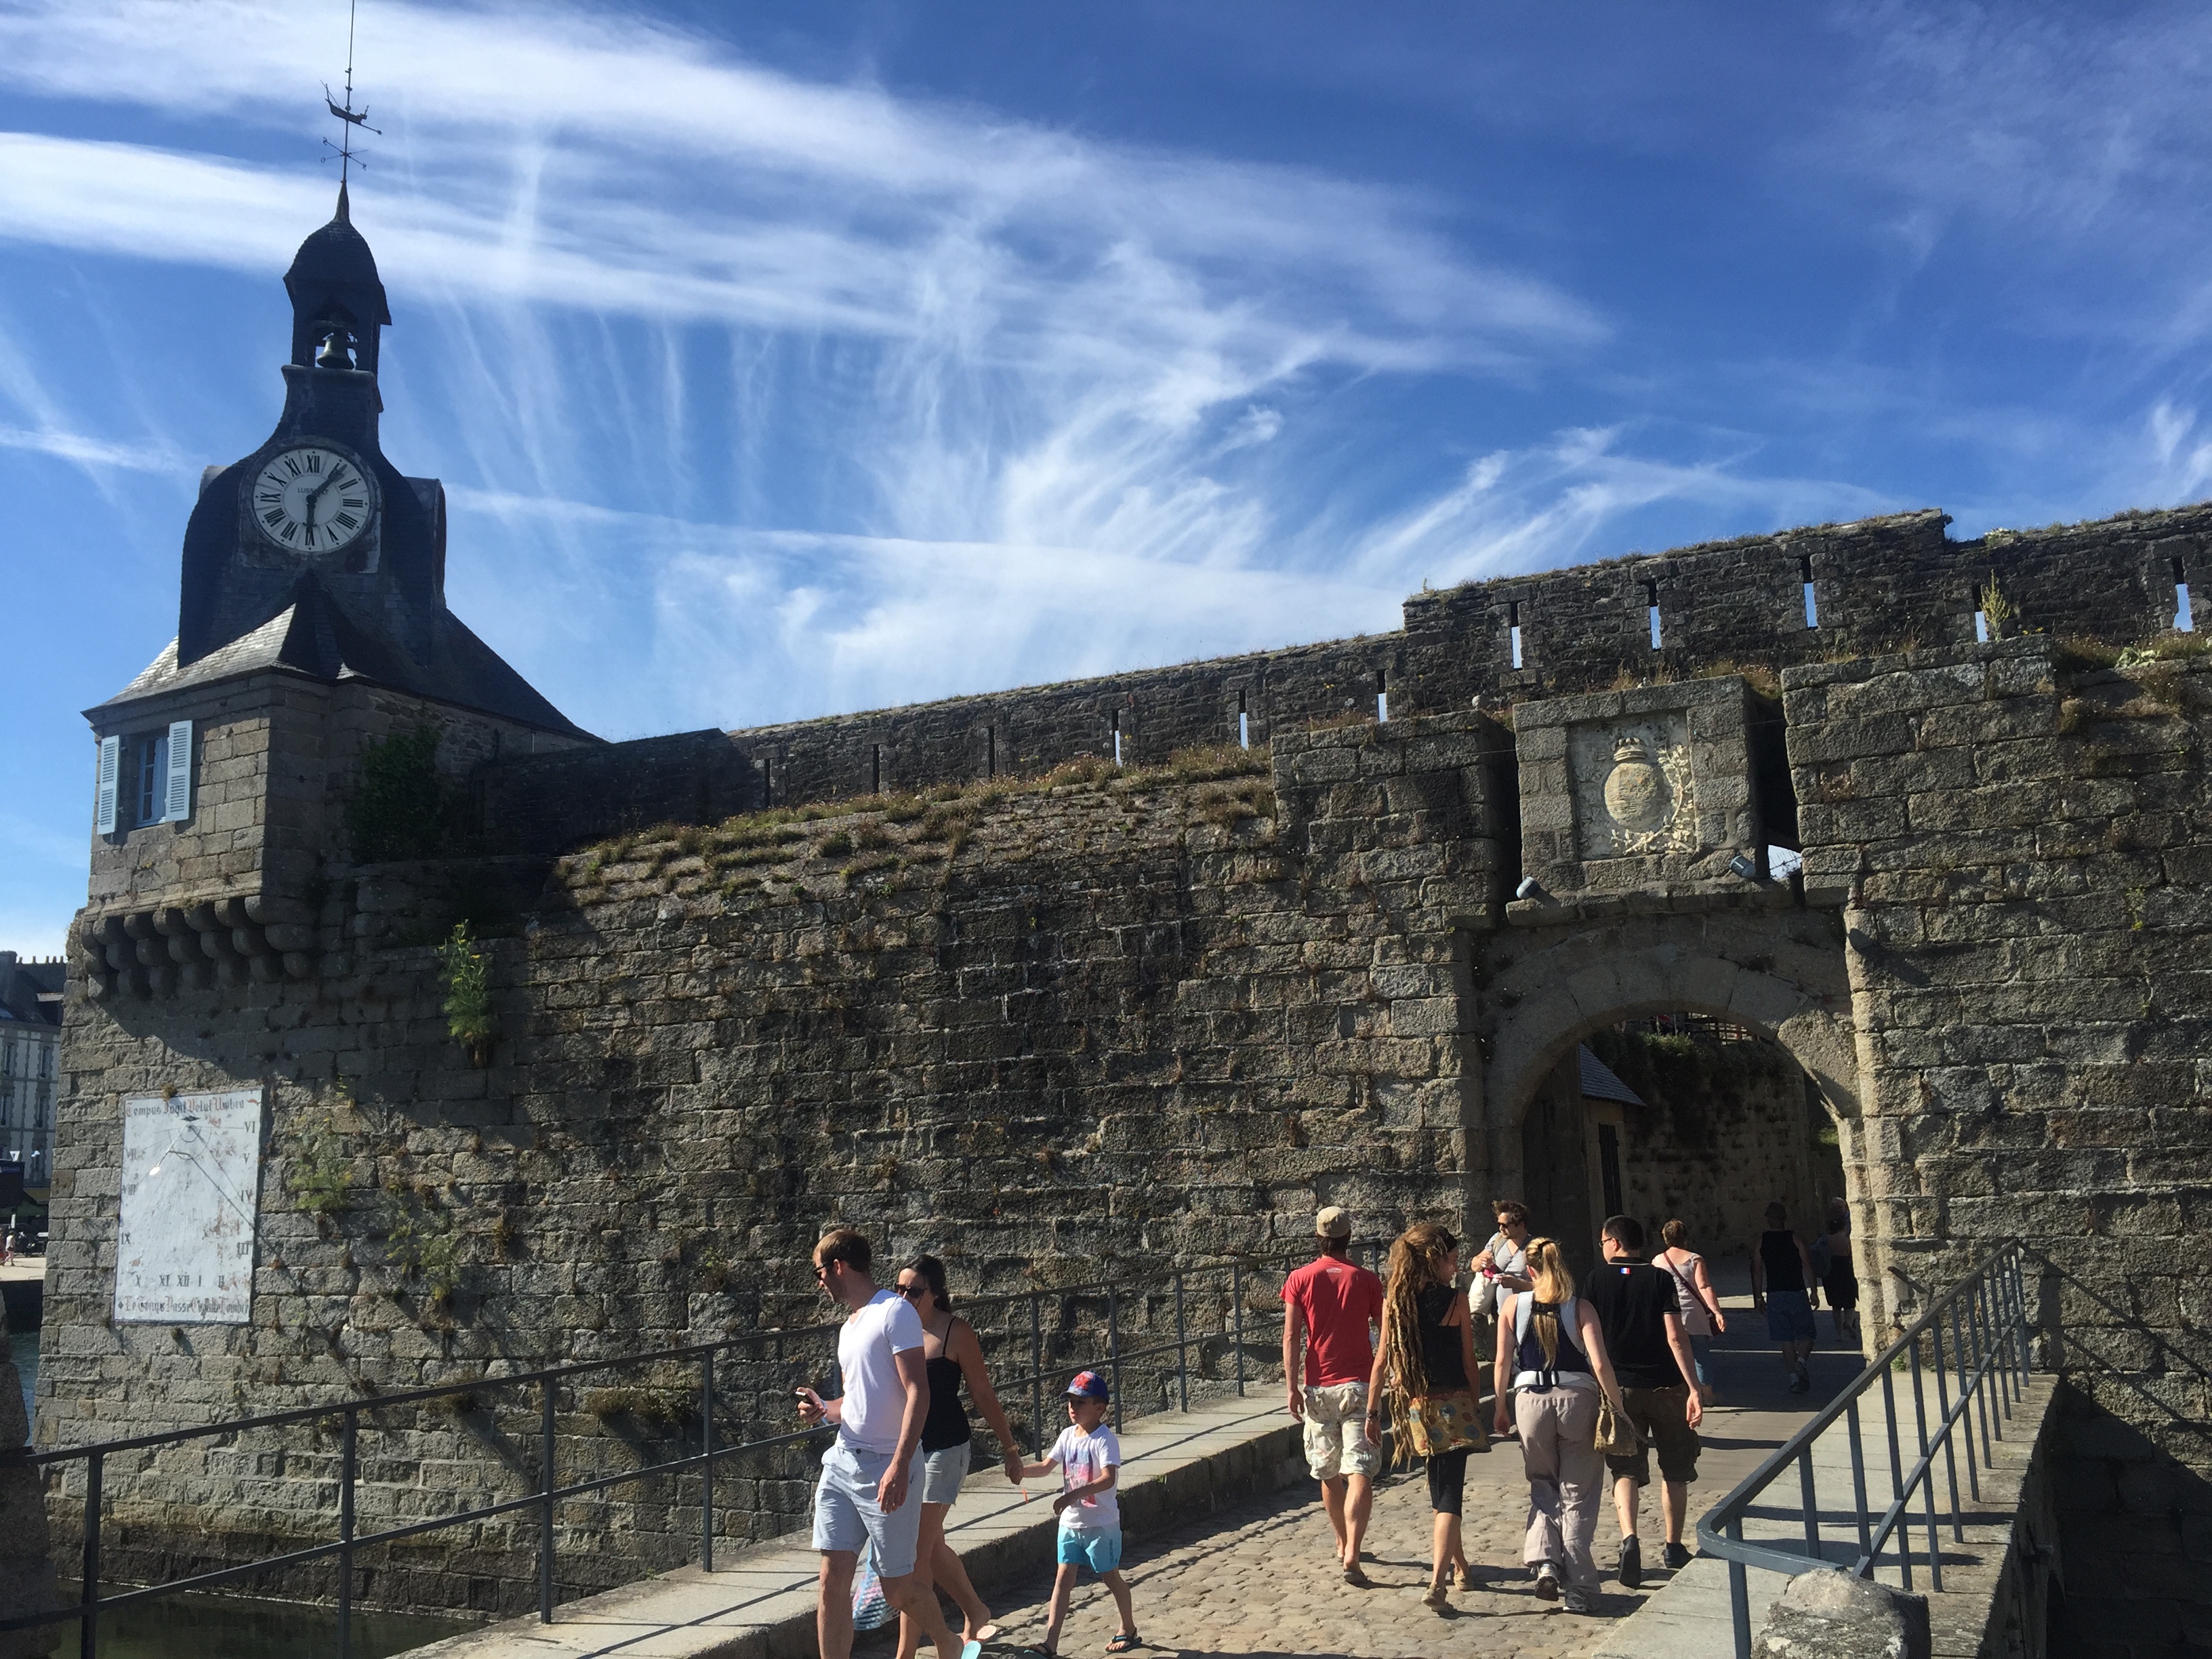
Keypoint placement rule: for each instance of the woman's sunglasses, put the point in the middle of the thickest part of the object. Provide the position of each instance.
(911, 1292)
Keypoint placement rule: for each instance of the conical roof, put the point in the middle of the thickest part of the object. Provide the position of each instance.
(335, 261)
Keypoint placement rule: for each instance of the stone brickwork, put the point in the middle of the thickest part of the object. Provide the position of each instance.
(2023, 850)
(224, 896)
(1725, 1129)
(1056, 1023)
(1108, 1025)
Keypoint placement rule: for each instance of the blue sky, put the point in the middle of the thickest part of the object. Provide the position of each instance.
(792, 358)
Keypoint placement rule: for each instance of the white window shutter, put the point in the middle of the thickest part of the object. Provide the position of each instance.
(178, 803)
(103, 794)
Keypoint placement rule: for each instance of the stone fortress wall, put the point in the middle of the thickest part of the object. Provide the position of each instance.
(1154, 1014)
(1883, 584)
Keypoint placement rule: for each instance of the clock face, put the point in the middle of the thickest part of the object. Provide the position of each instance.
(313, 500)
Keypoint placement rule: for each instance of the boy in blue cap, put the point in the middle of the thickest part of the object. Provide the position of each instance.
(1088, 1456)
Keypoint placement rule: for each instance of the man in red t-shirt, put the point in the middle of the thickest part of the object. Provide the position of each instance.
(1332, 1308)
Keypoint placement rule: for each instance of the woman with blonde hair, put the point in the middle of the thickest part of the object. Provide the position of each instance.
(1425, 1369)
(1552, 1360)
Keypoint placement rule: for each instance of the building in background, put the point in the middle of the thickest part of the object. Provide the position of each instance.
(30, 1065)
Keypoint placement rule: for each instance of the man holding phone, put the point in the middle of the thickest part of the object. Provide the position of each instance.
(871, 1476)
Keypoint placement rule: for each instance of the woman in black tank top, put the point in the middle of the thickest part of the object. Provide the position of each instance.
(951, 1355)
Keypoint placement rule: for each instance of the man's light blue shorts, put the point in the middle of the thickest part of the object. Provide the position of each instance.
(845, 1514)
(1099, 1550)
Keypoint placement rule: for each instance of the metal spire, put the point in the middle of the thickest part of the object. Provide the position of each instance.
(346, 112)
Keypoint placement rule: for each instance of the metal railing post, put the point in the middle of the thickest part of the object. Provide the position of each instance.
(1037, 1375)
(1182, 1350)
(1985, 1294)
(1858, 1485)
(1739, 1596)
(545, 1516)
(1927, 1472)
(1966, 1402)
(347, 1465)
(1812, 1502)
(2001, 1345)
(1983, 1386)
(2018, 1275)
(1943, 1418)
(1113, 1349)
(1236, 1319)
(1897, 1492)
(88, 1597)
(707, 1466)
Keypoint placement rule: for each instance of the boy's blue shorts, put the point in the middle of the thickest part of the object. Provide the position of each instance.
(1101, 1551)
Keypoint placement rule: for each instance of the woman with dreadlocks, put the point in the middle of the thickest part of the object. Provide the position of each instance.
(1425, 1369)
(1552, 1360)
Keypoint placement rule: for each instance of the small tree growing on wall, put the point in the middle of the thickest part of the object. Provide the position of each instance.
(466, 977)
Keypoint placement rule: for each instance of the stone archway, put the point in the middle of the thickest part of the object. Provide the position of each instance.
(1781, 974)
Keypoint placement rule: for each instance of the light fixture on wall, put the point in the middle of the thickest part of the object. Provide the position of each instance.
(1744, 867)
(1529, 888)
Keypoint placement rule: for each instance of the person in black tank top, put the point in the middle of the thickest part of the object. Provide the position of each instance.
(952, 1356)
(1781, 1273)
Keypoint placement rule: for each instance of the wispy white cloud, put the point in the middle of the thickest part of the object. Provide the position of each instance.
(2051, 136)
(984, 334)
(92, 452)
(2180, 454)
(750, 625)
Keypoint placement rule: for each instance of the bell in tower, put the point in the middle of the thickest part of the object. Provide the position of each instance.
(333, 284)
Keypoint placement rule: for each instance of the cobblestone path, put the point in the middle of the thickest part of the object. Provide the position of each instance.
(1259, 1580)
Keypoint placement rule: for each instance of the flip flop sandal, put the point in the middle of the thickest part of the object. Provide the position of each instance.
(986, 1635)
(1128, 1641)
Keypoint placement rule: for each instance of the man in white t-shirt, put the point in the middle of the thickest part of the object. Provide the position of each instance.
(871, 1477)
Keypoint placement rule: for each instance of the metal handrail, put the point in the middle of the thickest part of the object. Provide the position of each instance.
(1988, 1362)
(549, 1496)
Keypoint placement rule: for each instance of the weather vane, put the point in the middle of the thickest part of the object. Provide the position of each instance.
(346, 112)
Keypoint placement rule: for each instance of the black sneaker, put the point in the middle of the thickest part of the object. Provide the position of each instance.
(1547, 1581)
(1677, 1557)
(1632, 1563)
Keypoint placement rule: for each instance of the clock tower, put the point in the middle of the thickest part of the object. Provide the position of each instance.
(311, 624)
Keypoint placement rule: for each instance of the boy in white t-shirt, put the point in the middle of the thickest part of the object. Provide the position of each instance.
(1088, 1456)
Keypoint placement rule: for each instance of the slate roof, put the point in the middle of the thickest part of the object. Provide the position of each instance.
(1599, 1084)
(313, 636)
(29, 990)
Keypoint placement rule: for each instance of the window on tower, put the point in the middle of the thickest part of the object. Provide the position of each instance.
(149, 792)
(144, 777)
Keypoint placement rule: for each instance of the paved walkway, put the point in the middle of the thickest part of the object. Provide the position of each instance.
(1259, 1580)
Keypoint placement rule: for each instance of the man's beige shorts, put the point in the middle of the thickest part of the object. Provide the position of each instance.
(1336, 1432)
